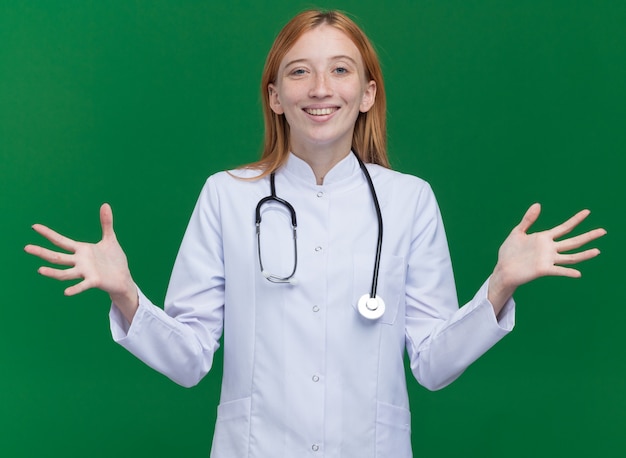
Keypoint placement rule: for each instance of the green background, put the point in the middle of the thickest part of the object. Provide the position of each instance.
(497, 103)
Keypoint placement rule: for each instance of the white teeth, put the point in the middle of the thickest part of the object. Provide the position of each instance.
(320, 111)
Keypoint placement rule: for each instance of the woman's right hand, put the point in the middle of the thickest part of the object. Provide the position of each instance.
(101, 265)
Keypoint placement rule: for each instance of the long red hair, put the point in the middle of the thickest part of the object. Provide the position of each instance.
(369, 139)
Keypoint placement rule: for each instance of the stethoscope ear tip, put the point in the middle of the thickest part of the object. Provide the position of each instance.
(275, 279)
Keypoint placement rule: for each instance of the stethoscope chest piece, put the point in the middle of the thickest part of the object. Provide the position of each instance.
(371, 308)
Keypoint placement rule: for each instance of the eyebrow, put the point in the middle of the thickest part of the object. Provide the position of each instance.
(339, 57)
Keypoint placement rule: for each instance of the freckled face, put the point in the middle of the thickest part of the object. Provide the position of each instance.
(321, 88)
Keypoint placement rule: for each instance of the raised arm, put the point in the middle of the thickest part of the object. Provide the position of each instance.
(524, 257)
(101, 265)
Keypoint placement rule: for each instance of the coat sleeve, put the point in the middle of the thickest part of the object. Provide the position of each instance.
(442, 340)
(181, 340)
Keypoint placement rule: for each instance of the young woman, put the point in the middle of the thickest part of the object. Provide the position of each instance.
(316, 324)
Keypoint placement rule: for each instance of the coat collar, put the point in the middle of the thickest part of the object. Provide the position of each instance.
(341, 175)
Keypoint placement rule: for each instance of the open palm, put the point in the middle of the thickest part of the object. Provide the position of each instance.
(101, 265)
(524, 257)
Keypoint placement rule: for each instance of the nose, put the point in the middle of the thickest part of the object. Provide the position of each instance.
(320, 86)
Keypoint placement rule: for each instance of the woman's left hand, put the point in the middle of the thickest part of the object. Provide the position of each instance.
(524, 257)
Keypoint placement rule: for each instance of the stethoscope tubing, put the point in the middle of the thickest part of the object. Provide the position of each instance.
(379, 217)
(371, 307)
(294, 226)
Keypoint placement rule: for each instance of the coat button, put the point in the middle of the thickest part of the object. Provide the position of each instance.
(316, 378)
(315, 447)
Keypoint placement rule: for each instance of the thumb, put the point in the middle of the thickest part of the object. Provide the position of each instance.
(106, 221)
(529, 217)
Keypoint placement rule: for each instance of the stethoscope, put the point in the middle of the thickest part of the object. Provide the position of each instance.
(370, 305)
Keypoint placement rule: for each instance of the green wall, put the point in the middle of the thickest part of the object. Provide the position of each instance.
(497, 103)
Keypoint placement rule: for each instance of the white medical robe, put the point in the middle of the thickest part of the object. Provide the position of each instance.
(304, 374)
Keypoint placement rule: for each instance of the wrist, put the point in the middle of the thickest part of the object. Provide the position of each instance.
(500, 288)
(126, 300)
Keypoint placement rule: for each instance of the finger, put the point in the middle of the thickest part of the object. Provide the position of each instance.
(59, 274)
(106, 221)
(529, 217)
(559, 271)
(580, 240)
(56, 238)
(77, 288)
(54, 257)
(567, 226)
(575, 258)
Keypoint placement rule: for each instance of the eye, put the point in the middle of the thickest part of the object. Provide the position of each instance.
(297, 72)
(341, 70)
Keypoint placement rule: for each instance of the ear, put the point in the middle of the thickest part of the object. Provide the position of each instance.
(369, 96)
(272, 95)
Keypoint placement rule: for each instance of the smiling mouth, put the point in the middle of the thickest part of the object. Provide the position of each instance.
(320, 111)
